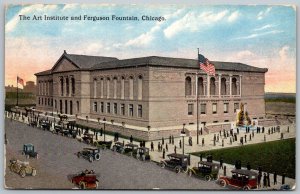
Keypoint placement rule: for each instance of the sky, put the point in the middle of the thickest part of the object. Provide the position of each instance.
(257, 35)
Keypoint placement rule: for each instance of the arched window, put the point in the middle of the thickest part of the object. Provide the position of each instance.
(188, 86)
(62, 86)
(200, 86)
(212, 86)
(107, 87)
(140, 87)
(67, 86)
(223, 86)
(73, 85)
(130, 87)
(115, 87)
(122, 87)
(234, 86)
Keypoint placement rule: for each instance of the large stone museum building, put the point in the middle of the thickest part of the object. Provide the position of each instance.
(150, 91)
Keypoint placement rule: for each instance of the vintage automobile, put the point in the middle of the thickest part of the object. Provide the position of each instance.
(103, 144)
(33, 123)
(207, 170)
(242, 179)
(58, 128)
(28, 151)
(45, 125)
(142, 153)
(130, 149)
(70, 133)
(21, 168)
(177, 162)
(89, 153)
(87, 138)
(118, 147)
(85, 180)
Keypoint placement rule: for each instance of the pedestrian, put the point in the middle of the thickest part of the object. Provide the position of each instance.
(218, 138)
(230, 141)
(288, 129)
(175, 149)
(248, 166)
(214, 142)
(264, 180)
(259, 180)
(202, 142)
(180, 144)
(201, 131)
(227, 135)
(281, 136)
(131, 139)
(167, 147)
(164, 153)
(220, 132)
(235, 137)
(238, 131)
(190, 141)
(152, 146)
(263, 129)
(141, 144)
(275, 178)
(215, 138)
(256, 129)
(124, 144)
(170, 139)
(224, 170)
(250, 137)
(269, 131)
(201, 157)
(245, 138)
(221, 162)
(259, 170)
(283, 179)
(265, 138)
(162, 140)
(222, 142)
(268, 180)
(158, 146)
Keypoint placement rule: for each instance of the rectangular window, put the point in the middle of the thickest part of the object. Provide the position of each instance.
(131, 110)
(122, 109)
(214, 108)
(215, 121)
(140, 111)
(102, 107)
(236, 106)
(190, 109)
(203, 108)
(108, 107)
(39, 100)
(226, 106)
(95, 107)
(77, 105)
(226, 121)
(115, 108)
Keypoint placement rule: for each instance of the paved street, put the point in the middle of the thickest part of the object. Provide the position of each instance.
(57, 161)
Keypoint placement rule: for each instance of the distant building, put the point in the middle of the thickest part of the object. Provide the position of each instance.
(30, 87)
(11, 88)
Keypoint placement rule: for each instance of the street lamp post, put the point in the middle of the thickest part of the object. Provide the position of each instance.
(183, 135)
(104, 120)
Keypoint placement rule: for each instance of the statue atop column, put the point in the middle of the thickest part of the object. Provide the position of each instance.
(243, 117)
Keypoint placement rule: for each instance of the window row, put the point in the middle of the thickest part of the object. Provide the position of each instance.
(117, 109)
(65, 85)
(118, 88)
(45, 101)
(212, 86)
(45, 87)
(214, 108)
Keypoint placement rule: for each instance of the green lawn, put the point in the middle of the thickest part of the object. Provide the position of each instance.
(271, 156)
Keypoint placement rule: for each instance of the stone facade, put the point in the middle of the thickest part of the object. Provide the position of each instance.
(142, 94)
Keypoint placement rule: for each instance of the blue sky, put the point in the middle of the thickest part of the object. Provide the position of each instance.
(262, 36)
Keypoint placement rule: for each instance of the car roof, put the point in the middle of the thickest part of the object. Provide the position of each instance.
(177, 155)
(131, 144)
(28, 144)
(90, 148)
(209, 163)
(118, 143)
(244, 172)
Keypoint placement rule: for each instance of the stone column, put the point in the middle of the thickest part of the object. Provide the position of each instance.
(220, 75)
(230, 85)
(208, 85)
(70, 85)
(240, 85)
(65, 88)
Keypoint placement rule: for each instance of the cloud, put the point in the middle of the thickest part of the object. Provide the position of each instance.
(254, 35)
(144, 39)
(10, 25)
(263, 14)
(283, 53)
(69, 6)
(241, 55)
(233, 16)
(264, 27)
(193, 21)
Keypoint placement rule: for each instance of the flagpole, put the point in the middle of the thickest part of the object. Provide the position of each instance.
(17, 91)
(197, 100)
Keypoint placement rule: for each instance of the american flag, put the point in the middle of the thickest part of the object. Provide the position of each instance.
(206, 65)
(20, 80)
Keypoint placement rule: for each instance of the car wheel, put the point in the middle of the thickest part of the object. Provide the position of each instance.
(91, 158)
(246, 188)
(82, 185)
(223, 183)
(22, 173)
(177, 169)
(190, 173)
(97, 156)
(23, 153)
(162, 165)
(33, 172)
(207, 178)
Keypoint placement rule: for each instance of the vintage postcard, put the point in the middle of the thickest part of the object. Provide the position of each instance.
(181, 97)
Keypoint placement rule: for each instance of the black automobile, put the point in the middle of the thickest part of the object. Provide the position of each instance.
(89, 153)
(118, 147)
(142, 153)
(58, 128)
(45, 125)
(33, 123)
(177, 162)
(102, 144)
(28, 151)
(130, 149)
